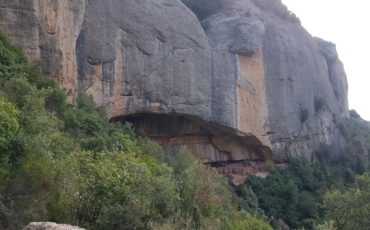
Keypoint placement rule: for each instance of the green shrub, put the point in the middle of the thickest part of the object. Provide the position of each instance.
(356, 132)
(295, 194)
(120, 191)
(250, 224)
(57, 102)
(247, 199)
(12, 60)
(9, 124)
(350, 209)
(204, 193)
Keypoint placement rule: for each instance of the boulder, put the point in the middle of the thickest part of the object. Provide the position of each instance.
(50, 226)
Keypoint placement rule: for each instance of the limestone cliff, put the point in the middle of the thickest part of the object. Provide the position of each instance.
(233, 80)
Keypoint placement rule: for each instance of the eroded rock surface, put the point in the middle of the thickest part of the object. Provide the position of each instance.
(301, 91)
(47, 31)
(211, 143)
(242, 69)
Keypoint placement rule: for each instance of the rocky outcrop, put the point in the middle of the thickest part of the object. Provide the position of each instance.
(243, 76)
(47, 31)
(145, 56)
(50, 226)
(301, 89)
(209, 142)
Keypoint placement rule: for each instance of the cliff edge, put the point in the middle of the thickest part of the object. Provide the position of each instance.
(233, 80)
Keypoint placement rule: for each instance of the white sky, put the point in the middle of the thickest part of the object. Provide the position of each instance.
(347, 24)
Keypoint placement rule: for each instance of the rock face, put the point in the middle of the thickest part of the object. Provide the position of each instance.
(232, 80)
(210, 142)
(46, 31)
(50, 226)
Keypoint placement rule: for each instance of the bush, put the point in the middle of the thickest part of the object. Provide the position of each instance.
(247, 199)
(350, 209)
(204, 193)
(120, 191)
(250, 224)
(356, 131)
(12, 60)
(296, 194)
(9, 124)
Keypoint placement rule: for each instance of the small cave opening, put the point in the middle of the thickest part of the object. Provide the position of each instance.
(213, 144)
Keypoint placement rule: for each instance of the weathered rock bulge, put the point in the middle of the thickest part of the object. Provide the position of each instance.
(241, 69)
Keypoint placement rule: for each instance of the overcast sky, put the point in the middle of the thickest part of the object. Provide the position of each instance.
(347, 24)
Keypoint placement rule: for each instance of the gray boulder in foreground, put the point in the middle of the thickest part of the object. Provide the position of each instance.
(50, 226)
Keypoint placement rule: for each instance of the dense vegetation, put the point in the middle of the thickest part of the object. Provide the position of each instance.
(69, 164)
(328, 191)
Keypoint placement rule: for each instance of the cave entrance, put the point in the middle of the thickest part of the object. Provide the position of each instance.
(215, 145)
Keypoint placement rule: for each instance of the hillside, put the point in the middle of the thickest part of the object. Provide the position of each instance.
(175, 114)
(69, 164)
